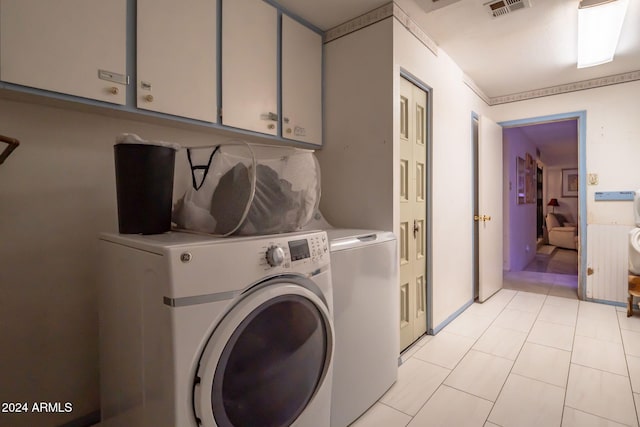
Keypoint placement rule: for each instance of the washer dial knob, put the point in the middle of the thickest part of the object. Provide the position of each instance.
(275, 256)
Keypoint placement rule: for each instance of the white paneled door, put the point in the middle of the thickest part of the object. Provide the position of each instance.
(489, 215)
(413, 213)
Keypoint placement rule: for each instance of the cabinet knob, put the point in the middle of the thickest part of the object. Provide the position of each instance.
(271, 126)
(114, 90)
(288, 130)
(148, 98)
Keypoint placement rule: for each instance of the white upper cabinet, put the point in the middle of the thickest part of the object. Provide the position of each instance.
(76, 47)
(249, 65)
(301, 83)
(189, 60)
(176, 57)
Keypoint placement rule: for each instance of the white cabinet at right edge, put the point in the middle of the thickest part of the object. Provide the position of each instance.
(301, 83)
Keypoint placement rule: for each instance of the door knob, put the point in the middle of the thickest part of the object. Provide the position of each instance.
(416, 228)
(482, 218)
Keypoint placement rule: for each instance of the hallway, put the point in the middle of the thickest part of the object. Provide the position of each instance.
(559, 261)
(553, 274)
(560, 285)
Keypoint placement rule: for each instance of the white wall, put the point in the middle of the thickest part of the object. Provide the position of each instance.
(452, 210)
(612, 140)
(360, 158)
(520, 220)
(357, 158)
(57, 192)
(612, 152)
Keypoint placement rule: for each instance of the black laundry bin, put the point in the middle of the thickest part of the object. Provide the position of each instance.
(144, 187)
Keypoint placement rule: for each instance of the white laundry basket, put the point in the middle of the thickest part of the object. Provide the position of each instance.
(244, 189)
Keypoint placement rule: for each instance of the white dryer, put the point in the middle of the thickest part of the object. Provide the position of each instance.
(202, 331)
(364, 265)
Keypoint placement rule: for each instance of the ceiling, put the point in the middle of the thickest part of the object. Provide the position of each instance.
(556, 141)
(528, 49)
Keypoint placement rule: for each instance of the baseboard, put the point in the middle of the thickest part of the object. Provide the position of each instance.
(450, 319)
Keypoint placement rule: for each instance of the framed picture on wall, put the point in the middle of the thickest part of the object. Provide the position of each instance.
(569, 182)
(530, 190)
(521, 175)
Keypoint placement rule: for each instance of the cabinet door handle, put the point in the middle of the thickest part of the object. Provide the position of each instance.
(114, 90)
(269, 116)
(148, 98)
(285, 119)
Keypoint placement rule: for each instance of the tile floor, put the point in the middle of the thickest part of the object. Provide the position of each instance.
(561, 261)
(560, 285)
(520, 359)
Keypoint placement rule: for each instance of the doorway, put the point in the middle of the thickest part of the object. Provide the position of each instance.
(475, 138)
(413, 199)
(548, 151)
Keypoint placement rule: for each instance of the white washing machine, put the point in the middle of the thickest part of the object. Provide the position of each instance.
(202, 331)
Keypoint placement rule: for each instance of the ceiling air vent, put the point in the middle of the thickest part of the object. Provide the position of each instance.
(503, 7)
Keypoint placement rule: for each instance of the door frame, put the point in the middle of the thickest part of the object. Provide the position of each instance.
(429, 164)
(475, 190)
(581, 117)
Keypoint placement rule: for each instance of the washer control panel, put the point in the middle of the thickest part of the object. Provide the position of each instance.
(299, 250)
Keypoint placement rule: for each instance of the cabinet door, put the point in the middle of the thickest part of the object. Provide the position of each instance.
(301, 82)
(177, 58)
(249, 65)
(65, 46)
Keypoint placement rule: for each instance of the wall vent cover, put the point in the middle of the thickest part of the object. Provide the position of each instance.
(499, 8)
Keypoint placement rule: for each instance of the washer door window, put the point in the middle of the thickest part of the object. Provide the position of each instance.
(265, 361)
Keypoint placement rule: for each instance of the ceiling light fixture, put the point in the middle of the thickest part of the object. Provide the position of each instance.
(599, 26)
